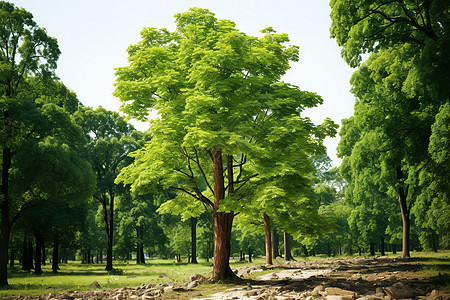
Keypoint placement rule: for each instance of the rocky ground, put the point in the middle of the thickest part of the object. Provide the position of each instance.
(358, 278)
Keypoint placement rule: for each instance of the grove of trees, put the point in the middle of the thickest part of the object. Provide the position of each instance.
(231, 166)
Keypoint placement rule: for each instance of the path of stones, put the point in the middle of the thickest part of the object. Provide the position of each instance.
(358, 278)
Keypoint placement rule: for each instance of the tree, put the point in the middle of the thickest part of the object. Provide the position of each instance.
(218, 95)
(111, 139)
(368, 26)
(25, 50)
(409, 69)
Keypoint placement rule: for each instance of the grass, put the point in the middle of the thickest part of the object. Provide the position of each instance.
(75, 276)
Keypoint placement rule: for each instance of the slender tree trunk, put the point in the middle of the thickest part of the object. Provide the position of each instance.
(394, 249)
(38, 257)
(55, 256)
(382, 246)
(287, 247)
(405, 211)
(433, 242)
(5, 224)
(359, 251)
(44, 256)
(268, 240)
(142, 254)
(12, 258)
(372, 249)
(223, 221)
(249, 255)
(25, 254)
(305, 251)
(109, 227)
(194, 240)
(275, 243)
(30, 254)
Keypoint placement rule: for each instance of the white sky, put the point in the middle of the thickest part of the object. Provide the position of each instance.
(93, 36)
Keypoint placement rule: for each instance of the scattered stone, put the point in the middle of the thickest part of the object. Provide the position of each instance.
(95, 284)
(163, 275)
(198, 277)
(399, 291)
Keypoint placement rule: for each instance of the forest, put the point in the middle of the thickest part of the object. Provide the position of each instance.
(230, 167)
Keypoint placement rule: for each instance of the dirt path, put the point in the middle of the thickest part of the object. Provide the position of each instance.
(358, 278)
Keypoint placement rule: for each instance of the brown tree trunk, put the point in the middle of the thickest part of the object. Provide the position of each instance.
(287, 247)
(249, 255)
(268, 240)
(223, 221)
(5, 224)
(194, 240)
(405, 211)
(382, 246)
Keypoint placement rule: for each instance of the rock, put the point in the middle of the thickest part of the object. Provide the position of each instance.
(95, 284)
(333, 297)
(198, 277)
(163, 275)
(344, 294)
(134, 297)
(192, 284)
(251, 293)
(317, 290)
(399, 291)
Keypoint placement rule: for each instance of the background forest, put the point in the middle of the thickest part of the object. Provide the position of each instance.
(231, 167)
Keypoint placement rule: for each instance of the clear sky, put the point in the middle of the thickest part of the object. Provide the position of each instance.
(93, 36)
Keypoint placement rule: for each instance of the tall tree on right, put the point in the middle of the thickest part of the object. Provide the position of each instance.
(400, 88)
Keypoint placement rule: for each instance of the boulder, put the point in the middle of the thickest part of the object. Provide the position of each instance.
(198, 277)
(95, 284)
(399, 291)
(344, 294)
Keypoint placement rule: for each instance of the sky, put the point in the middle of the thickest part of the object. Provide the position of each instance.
(93, 36)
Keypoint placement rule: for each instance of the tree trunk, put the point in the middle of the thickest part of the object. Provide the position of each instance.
(268, 240)
(30, 255)
(223, 221)
(44, 256)
(433, 242)
(25, 254)
(138, 253)
(55, 258)
(5, 224)
(38, 258)
(394, 249)
(359, 251)
(109, 227)
(275, 243)
(142, 255)
(287, 247)
(101, 256)
(372, 249)
(382, 246)
(194, 240)
(405, 211)
(12, 258)
(249, 255)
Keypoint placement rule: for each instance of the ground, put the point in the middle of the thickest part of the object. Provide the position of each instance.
(368, 278)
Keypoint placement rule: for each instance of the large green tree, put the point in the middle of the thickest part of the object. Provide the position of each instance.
(220, 100)
(25, 50)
